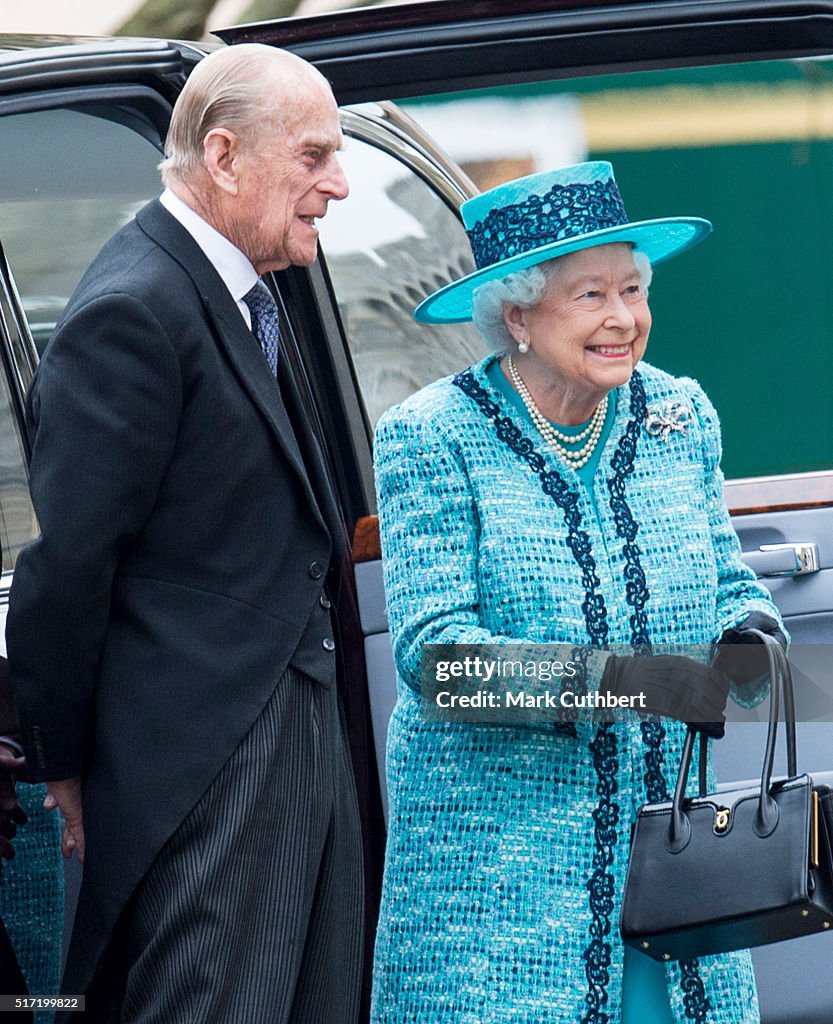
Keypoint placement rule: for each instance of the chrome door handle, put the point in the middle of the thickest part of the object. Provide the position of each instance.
(783, 559)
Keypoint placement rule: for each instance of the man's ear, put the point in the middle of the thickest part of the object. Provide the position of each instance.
(220, 151)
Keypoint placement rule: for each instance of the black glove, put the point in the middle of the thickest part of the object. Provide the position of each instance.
(741, 656)
(674, 687)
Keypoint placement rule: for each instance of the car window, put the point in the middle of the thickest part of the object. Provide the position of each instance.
(17, 519)
(70, 180)
(749, 313)
(393, 240)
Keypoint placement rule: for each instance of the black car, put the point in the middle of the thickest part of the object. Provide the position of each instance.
(716, 108)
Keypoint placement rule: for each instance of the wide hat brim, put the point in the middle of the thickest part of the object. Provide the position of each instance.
(658, 239)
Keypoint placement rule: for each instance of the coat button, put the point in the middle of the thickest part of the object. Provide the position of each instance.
(316, 570)
(328, 644)
(324, 601)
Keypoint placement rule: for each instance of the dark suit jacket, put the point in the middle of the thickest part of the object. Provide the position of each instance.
(181, 554)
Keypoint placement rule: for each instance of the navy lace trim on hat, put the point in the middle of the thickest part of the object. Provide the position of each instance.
(563, 212)
(606, 815)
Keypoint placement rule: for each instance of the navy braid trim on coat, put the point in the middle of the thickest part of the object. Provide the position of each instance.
(636, 589)
(597, 957)
(656, 786)
(695, 1001)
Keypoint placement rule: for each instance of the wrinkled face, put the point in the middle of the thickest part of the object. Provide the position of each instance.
(591, 327)
(286, 181)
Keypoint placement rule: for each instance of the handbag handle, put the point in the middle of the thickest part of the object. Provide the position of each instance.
(766, 819)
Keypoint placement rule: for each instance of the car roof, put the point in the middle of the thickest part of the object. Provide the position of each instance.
(412, 49)
(386, 17)
(59, 62)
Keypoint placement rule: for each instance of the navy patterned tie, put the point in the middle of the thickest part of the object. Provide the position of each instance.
(265, 325)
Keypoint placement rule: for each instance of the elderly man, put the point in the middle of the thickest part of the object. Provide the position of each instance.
(169, 631)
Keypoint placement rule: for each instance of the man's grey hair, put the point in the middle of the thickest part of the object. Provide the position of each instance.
(232, 88)
(525, 288)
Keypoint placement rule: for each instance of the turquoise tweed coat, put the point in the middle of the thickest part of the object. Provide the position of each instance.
(508, 845)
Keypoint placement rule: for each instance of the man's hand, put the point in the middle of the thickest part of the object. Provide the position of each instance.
(11, 813)
(65, 794)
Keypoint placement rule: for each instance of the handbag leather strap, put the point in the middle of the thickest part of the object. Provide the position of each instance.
(781, 687)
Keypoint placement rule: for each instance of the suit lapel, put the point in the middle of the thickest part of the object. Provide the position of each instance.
(237, 340)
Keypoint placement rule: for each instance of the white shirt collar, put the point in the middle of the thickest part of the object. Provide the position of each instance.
(237, 272)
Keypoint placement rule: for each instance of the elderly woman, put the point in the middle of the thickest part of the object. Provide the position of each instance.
(561, 491)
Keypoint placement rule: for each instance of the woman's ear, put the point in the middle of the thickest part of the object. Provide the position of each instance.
(514, 316)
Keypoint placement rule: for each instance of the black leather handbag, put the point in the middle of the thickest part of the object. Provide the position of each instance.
(744, 866)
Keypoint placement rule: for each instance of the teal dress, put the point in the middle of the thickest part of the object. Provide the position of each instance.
(508, 845)
(644, 992)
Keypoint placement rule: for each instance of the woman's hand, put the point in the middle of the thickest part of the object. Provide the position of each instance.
(674, 687)
(741, 654)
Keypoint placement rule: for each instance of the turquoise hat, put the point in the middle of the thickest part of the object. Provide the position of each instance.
(530, 220)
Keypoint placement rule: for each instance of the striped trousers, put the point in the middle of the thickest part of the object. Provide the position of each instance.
(252, 912)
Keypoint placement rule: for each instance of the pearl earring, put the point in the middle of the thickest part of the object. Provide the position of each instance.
(523, 346)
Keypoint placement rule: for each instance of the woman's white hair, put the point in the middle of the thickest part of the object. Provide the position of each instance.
(525, 288)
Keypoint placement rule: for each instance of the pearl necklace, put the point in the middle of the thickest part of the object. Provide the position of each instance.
(554, 438)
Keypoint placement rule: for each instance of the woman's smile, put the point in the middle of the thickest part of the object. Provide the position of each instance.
(610, 351)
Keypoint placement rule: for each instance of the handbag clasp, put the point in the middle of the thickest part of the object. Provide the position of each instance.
(721, 819)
